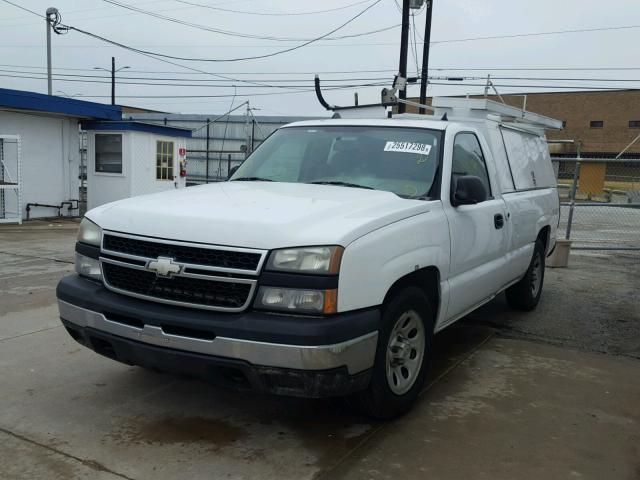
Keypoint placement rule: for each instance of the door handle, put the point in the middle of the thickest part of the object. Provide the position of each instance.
(498, 221)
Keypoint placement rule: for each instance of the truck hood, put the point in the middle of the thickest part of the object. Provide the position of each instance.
(262, 215)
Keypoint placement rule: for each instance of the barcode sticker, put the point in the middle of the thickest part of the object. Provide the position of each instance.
(408, 147)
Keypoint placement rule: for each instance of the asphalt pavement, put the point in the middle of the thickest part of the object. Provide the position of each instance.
(553, 393)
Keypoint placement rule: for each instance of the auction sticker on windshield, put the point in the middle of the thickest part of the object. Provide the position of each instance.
(408, 147)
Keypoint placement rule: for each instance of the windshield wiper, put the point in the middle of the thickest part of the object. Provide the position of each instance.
(342, 184)
(251, 179)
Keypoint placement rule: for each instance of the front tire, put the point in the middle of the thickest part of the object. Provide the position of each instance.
(525, 294)
(403, 356)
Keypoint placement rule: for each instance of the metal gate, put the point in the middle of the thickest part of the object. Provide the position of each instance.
(600, 202)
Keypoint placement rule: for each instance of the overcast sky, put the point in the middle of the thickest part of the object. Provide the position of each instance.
(23, 40)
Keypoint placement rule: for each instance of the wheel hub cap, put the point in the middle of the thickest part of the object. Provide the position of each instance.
(405, 352)
(536, 275)
(400, 351)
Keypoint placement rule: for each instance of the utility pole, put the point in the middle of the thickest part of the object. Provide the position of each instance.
(113, 80)
(247, 131)
(113, 77)
(404, 50)
(51, 12)
(425, 57)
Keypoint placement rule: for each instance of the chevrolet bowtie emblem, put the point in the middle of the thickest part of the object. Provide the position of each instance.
(164, 267)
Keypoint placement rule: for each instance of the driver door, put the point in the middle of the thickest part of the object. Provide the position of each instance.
(478, 236)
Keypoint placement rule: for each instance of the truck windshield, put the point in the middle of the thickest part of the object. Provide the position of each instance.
(395, 159)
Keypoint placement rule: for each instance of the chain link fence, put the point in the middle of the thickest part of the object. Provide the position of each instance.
(600, 202)
(218, 142)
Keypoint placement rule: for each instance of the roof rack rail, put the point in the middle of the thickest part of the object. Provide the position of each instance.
(481, 107)
(444, 108)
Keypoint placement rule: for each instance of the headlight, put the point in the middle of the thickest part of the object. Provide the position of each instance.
(297, 300)
(88, 267)
(321, 260)
(89, 233)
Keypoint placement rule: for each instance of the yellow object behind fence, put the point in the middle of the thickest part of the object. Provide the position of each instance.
(592, 178)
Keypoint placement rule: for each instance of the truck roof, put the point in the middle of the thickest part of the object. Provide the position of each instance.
(377, 122)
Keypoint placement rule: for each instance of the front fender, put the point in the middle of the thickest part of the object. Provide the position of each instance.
(373, 263)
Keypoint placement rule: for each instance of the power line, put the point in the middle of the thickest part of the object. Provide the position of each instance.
(316, 39)
(93, 9)
(376, 81)
(541, 69)
(24, 8)
(414, 44)
(155, 54)
(457, 40)
(272, 14)
(565, 79)
(109, 7)
(224, 136)
(305, 88)
(571, 87)
(209, 46)
(273, 54)
(238, 34)
(336, 72)
(309, 90)
(164, 60)
(202, 80)
(534, 34)
(146, 54)
(76, 80)
(228, 112)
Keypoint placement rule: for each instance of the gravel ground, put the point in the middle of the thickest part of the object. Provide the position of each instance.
(605, 319)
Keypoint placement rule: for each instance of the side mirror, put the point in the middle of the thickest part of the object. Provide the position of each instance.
(468, 190)
(232, 171)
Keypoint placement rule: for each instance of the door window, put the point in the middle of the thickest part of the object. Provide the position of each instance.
(468, 160)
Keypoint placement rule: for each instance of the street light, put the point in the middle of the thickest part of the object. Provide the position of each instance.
(113, 77)
(69, 96)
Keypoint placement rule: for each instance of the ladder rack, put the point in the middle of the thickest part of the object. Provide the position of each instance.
(10, 179)
(481, 107)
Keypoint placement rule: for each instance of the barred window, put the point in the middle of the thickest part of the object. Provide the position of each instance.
(596, 124)
(634, 123)
(164, 160)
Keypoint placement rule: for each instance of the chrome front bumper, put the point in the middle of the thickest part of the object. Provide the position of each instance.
(356, 355)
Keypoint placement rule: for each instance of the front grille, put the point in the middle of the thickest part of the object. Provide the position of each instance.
(184, 254)
(207, 293)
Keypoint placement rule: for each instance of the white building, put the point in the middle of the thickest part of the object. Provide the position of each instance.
(48, 129)
(128, 158)
(42, 178)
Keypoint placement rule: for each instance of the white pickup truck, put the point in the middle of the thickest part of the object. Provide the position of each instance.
(331, 257)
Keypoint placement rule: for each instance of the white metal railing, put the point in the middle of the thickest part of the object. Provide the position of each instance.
(10, 179)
